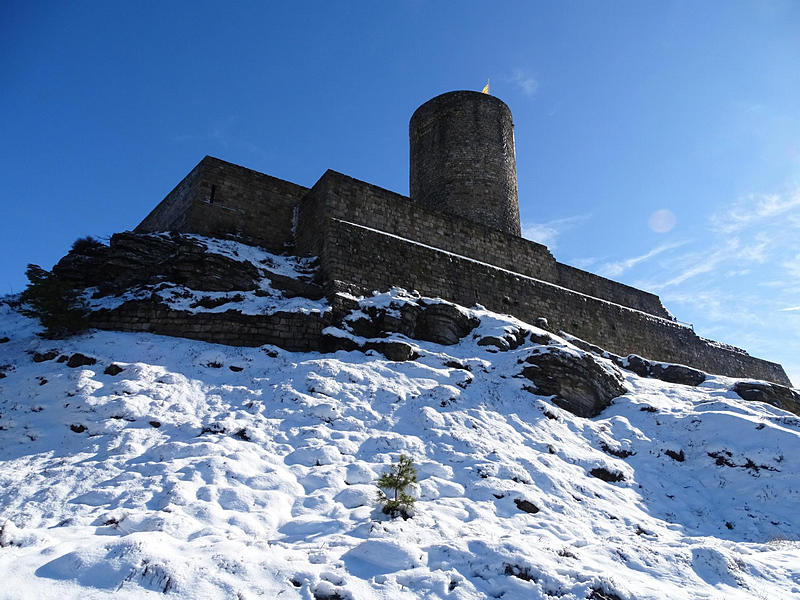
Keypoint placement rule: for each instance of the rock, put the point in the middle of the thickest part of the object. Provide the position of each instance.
(134, 259)
(671, 373)
(4, 340)
(393, 350)
(80, 360)
(665, 372)
(579, 382)
(771, 393)
(443, 323)
(78, 428)
(113, 369)
(677, 456)
(44, 356)
(606, 475)
(525, 506)
(510, 341)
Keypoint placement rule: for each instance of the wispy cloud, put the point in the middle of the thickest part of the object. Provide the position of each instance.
(547, 233)
(525, 82)
(752, 209)
(718, 305)
(617, 268)
(791, 308)
(792, 267)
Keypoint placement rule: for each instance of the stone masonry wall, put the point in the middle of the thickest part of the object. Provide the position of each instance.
(349, 199)
(172, 213)
(292, 331)
(372, 260)
(462, 159)
(225, 200)
(600, 287)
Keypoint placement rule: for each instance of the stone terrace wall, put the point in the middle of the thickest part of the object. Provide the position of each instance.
(349, 199)
(221, 199)
(374, 261)
(600, 287)
(292, 331)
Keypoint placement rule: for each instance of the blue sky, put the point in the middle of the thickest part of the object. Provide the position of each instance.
(658, 143)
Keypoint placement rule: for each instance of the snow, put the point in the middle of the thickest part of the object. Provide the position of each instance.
(195, 481)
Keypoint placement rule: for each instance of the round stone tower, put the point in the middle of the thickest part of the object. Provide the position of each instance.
(462, 159)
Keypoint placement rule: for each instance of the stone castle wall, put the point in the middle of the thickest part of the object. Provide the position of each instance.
(221, 199)
(342, 197)
(363, 260)
(369, 238)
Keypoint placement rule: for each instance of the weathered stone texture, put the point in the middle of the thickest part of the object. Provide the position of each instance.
(342, 197)
(578, 382)
(293, 331)
(221, 199)
(370, 260)
(777, 395)
(600, 287)
(462, 159)
(135, 260)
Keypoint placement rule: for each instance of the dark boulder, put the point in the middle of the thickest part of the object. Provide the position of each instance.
(80, 360)
(578, 382)
(393, 350)
(44, 356)
(511, 340)
(113, 369)
(665, 372)
(771, 393)
(526, 506)
(443, 323)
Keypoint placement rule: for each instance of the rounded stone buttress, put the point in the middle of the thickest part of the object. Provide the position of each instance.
(462, 159)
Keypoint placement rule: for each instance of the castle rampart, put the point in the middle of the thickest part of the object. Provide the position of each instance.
(457, 238)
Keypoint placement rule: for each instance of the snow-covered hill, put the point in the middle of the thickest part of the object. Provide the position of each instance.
(196, 470)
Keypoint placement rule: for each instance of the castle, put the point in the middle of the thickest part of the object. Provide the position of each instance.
(456, 237)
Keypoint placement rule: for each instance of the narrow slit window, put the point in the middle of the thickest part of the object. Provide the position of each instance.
(213, 193)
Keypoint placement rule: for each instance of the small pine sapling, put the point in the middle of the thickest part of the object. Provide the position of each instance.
(400, 476)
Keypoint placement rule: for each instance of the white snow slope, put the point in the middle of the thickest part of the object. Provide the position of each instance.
(182, 477)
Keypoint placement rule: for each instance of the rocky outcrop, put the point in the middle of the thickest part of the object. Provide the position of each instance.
(433, 322)
(665, 372)
(133, 259)
(671, 373)
(771, 393)
(576, 380)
